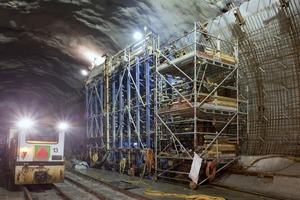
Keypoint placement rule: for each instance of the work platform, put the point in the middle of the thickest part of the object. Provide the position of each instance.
(198, 105)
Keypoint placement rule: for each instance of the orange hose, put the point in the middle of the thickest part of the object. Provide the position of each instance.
(211, 170)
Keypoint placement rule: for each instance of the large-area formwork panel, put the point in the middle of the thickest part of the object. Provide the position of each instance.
(120, 110)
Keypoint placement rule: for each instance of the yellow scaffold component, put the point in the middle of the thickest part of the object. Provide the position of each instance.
(151, 192)
(95, 157)
(122, 165)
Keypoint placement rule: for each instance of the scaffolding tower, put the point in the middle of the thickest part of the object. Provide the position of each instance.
(186, 92)
(198, 105)
(119, 103)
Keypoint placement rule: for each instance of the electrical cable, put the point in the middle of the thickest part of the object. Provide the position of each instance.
(149, 163)
(294, 159)
(151, 192)
(286, 167)
(271, 156)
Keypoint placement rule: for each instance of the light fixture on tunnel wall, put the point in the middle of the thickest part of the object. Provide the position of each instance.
(94, 58)
(137, 35)
(84, 72)
(284, 3)
(240, 19)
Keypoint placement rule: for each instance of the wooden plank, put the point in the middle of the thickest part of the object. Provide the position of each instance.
(222, 147)
(224, 103)
(223, 155)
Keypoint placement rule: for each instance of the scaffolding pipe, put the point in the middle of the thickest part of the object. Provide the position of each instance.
(195, 88)
(148, 96)
(107, 100)
(121, 112)
(137, 102)
(128, 93)
(113, 114)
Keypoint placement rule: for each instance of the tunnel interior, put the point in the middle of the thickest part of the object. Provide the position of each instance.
(45, 45)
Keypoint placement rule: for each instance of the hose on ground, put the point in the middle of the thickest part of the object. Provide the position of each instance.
(151, 192)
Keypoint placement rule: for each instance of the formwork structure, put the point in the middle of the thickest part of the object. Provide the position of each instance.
(120, 109)
(186, 92)
(198, 106)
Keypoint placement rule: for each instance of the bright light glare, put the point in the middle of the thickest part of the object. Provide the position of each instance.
(63, 126)
(93, 58)
(137, 35)
(84, 72)
(25, 123)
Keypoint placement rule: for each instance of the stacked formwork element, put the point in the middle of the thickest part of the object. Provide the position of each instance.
(198, 106)
(120, 111)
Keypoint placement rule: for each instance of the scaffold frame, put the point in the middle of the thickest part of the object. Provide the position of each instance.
(198, 106)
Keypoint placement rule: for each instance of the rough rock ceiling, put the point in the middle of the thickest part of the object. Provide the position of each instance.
(45, 44)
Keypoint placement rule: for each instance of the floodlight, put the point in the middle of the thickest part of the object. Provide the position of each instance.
(93, 57)
(25, 123)
(63, 126)
(137, 35)
(84, 72)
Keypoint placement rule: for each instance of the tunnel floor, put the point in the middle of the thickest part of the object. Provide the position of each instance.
(135, 185)
(139, 187)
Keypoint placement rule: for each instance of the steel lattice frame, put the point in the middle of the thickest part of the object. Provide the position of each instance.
(119, 107)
